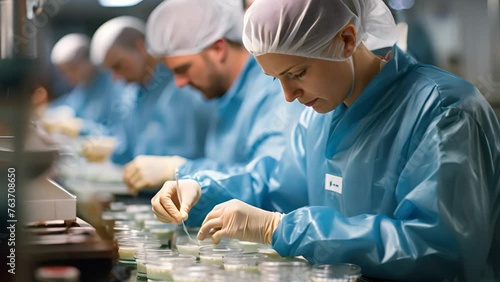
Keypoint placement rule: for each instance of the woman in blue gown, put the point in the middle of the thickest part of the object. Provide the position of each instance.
(394, 167)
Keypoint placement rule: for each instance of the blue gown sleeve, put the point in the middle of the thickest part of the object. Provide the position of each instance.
(442, 222)
(218, 187)
(257, 178)
(92, 128)
(72, 99)
(177, 126)
(123, 152)
(271, 125)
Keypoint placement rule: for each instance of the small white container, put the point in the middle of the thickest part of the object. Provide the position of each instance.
(140, 218)
(166, 236)
(277, 271)
(140, 259)
(188, 249)
(234, 276)
(194, 273)
(243, 262)
(165, 232)
(142, 255)
(345, 272)
(129, 233)
(215, 254)
(248, 247)
(160, 269)
(126, 251)
(118, 206)
(127, 247)
(187, 246)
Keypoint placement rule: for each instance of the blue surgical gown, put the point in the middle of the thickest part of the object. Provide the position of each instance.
(252, 120)
(165, 120)
(405, 182)
(103, 104)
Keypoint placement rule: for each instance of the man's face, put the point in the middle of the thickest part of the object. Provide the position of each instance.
(74, 72)
(201, 71)
(127, 64)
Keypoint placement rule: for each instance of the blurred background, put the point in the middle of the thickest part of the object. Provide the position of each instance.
(461, 36)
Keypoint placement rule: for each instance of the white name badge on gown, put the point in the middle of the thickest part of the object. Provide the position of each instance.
(333, 183)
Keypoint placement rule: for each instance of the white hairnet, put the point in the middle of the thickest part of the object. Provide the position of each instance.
(106, 35)
(185, 27)
(69, 48)
(307, 27)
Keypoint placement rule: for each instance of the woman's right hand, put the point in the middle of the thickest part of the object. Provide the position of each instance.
(98, 149)
(166, 206)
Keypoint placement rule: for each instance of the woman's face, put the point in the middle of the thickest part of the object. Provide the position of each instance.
(316, 83)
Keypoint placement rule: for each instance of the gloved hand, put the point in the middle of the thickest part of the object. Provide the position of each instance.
(236, 219)
(51, 125)
(54, 119)
(71, 127)
(166, 206)
(98, 149)
(150, 171)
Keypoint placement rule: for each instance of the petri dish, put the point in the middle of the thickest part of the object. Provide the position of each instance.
(244, 262)
(195, 273)
(215, 254)
(277, 270)
(346, 272)
(160, 269)
(186, 246)
(248, 247)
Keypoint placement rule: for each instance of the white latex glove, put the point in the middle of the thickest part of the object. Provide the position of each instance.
(54, 120)
(71, 127)
(236, 219)
(166, 206)
(51, 125)
(150, 171)
(98, 149)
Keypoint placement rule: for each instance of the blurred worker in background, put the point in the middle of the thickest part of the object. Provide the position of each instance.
(165, 120)
(418, 41)
(206, 53)
(96, 105)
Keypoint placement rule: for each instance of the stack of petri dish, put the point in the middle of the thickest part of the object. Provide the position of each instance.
(140, 219)
(160, 268)
(196, 273)
(187, 246)
(292, 271)
(143, 254)
(345, 272)
(215, 254)
(128, 246)
(243, 262)
(248, 247)
(232, 276)
(165, 232)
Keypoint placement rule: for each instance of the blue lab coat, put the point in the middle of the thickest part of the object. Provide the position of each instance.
(166, 120)
(102, 105)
